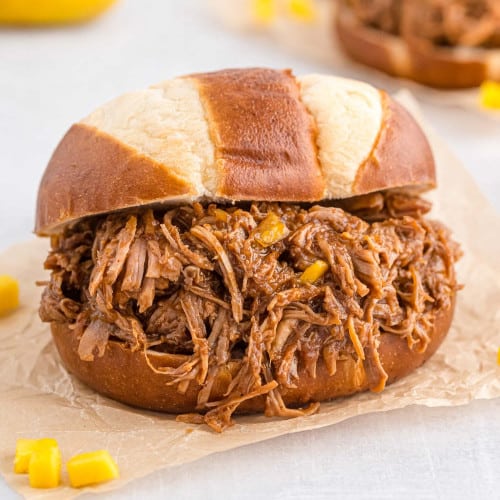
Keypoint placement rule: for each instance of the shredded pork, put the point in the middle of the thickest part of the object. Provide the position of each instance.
(469, 23)
(196, 281)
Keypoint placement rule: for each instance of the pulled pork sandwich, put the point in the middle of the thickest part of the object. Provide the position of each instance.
(442, 43)
(244, 241)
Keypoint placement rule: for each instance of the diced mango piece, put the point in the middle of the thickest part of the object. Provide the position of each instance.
(264, 11)
(498, 357)
(24, 450)
(314, 272)
(304, 10)
(489, 95)
(91, 468)
(45, 468)
(9, 294)
(271, 230)
(221, 215)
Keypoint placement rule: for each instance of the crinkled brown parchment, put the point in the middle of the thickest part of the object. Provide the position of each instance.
(39, 399)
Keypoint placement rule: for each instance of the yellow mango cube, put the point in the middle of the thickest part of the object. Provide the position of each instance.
(221, 215)
(92, 468)
(271, 230)
(45, 468)
(498, 357)
(24, 450)
(489, 95)
(9, 294)
(314, 272)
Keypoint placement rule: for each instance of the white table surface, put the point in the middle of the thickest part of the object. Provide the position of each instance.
(50, 78)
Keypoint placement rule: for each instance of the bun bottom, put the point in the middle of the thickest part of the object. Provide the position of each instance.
(125, 376)
(446, 68)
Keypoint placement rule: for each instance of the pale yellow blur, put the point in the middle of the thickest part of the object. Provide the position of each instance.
(47, 12)
(490, 95)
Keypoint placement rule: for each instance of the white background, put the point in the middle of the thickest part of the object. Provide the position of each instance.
(50, 78)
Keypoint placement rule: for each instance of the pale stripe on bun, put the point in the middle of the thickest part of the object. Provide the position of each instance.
(165, 123)
(346, 134)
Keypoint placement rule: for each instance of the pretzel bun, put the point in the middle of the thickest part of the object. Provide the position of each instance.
(440, 67)
(233, 135)
(229, 136)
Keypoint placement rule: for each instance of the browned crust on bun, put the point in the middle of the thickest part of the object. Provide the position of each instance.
(440, 67)
(91, 172)
(253, 134)
(124, 375)
(400, 142)
(263, 135)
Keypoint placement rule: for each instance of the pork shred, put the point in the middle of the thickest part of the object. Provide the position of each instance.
(470, 23)
(195, 281)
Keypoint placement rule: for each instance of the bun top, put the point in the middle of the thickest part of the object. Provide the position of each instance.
(234, 135)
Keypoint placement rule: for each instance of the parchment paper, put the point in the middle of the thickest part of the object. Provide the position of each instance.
(39, 399)
(315, 41)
